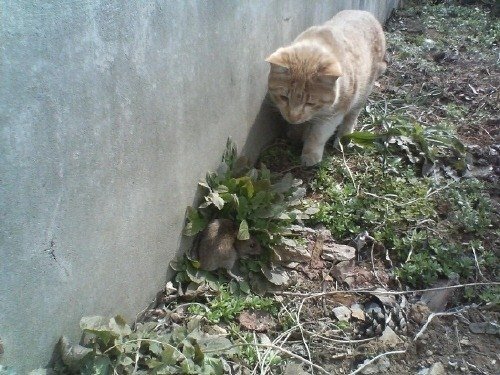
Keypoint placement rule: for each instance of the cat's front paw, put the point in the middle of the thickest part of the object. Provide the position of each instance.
(311, 159)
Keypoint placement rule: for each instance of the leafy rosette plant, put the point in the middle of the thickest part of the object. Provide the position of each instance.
(261, 203)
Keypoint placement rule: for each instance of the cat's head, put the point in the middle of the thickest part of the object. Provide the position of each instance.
(302, 80)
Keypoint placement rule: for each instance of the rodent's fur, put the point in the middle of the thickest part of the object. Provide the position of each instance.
(218, 246)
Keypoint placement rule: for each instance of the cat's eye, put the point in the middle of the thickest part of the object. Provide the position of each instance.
(284, 98)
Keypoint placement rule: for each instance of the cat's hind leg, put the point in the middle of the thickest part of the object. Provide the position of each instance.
(348, 125)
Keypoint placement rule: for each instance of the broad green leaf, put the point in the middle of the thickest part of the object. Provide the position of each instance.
(196, 223)
(229, 156)
(276, 275)
(155, 348)
(218, 344)
(194, 323)
(205, 185)
(198, 354)
(222, 169)
(188, 349)
(72, 354)
(98, 365)
(362, 138)
(212, 179)
(98, 326)
(196, 275)
(249, 189)
(125, 360)
(265, 174)
(284, 185)
(262, 185)
(253, 174)
(165, 369)
(242, 208)
(243, 232)
(216, 200)
(244, 287)
(119, 326)
(222, 189)
(170, 355)
(235, 199)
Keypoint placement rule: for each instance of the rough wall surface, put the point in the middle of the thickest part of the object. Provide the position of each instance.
(110, 112)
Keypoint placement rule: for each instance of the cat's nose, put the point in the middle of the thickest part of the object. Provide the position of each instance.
(294, 117)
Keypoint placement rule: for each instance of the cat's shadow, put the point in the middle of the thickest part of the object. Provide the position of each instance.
(267, 126)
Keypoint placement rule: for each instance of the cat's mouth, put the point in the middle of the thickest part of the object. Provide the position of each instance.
(296, 121)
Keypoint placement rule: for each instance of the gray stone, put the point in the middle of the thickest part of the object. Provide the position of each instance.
(390, 338)
(337, 253)
(342, 313)
(378, 367)
(437, 369)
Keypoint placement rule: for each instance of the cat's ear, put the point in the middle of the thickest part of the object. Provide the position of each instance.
(329, 72)
(277, 62)
(330, 68)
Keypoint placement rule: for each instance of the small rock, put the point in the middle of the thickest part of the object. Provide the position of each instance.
(342, 313)
(424, 371)
(294, 368)
(429, 43)
(357, 312)
(170, 289)
(216, 330)
(337, 253)
(390, 338)
(38, 371)
(159, 313)
(296, 253)
(465, 341)
(437, 369)
(378, 367)
(485, 327)
(386, 299)
(429, 353)
(341, 269)
(176, 317)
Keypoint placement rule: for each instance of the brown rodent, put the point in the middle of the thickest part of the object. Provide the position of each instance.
(219, 248)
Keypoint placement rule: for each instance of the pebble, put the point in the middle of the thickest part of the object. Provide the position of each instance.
(342, 313)
(437, 369)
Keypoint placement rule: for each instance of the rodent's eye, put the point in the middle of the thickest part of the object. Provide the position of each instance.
(284, 98)
(252, 245)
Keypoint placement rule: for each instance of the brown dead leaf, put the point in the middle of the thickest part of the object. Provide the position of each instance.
(256, 320)
(317, 249)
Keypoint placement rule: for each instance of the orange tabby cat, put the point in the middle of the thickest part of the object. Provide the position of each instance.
(325, 76)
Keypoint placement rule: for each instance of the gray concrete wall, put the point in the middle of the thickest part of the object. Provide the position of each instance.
(110, 112)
